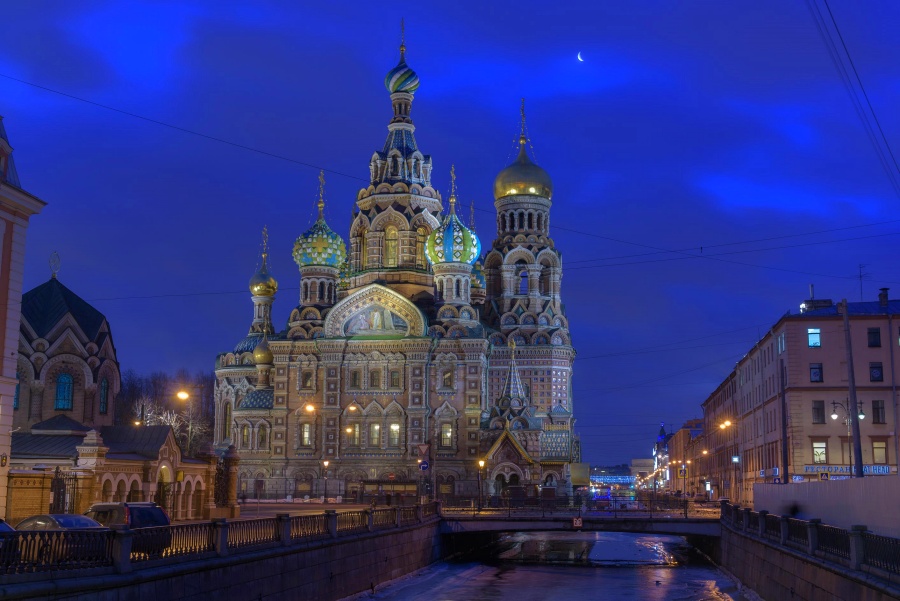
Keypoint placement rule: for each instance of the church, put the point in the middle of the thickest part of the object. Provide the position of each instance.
(415, 353)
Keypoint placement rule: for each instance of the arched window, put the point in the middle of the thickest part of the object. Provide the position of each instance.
(363, 249)
(523, 281)
(321, 292)
(395, 379)
(306, 435)
(226, 421)
(104, 396)
(262, 437)
(390, 246)
(63, 392)
(374, 379)
(245, 437)
(458, 293)
(447, 379)
(446, 435)
(421, 235)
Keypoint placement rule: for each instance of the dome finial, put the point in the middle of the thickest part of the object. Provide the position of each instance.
(402, 39)
(321, 203)
(452, 189)
(54, 264)
(472, 215)
(262, 283)
(522, 138)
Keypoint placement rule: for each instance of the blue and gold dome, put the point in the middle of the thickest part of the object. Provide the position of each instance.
(452, 242)
(320, 245)
(401, 78)
(262, 283)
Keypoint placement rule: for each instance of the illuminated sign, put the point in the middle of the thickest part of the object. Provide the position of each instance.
(874, 470)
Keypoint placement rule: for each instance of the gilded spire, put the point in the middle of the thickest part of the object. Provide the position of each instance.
(472, 215)
(402, 40)
(265, 242)
(262, 283)
(452, 188)
(321, 203)
(522, 138)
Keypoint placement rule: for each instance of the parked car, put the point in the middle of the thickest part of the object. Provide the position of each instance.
(8, 543)
(136, 516)
(49, 545)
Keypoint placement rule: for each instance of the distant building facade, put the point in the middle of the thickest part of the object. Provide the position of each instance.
(409, 348)
(16, 208)
(782, 394)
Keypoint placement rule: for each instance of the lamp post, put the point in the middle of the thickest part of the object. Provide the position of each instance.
(735, 459)
(185, 397)
(480, 467)
(325, 474)
(856, 449)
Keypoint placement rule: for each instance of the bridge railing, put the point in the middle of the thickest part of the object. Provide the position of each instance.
(641, 506)
(29, 555)
(856, 548)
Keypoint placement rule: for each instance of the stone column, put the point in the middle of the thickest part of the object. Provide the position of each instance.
(785, 529)
(761, 525)
(121, 551)
(857, 546)
(232, 460)
(812, 536)
(207, 454)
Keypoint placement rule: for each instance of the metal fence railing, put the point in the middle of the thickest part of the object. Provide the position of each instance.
(772, 527)
(408, 515)
(56, 550)
(246, 533)
(384, 518)
(834, 541)
(881, 552)
(352, 521)
(798, 533)
(308, 526)
(172, 541)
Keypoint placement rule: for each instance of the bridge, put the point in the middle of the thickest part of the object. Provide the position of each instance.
(459, 522)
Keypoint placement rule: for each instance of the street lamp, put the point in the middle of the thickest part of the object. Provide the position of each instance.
(735, 460)
(857, 467)
(325, 473)
(184, 396)
(480, 467)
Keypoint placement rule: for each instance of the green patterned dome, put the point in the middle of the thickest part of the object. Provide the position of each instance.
(452, 242)
(320, 245)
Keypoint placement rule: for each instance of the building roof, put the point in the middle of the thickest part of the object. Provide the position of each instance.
(861, 308)
(145, 441)
(258, 399)
(60, 424)
(32, 446)
(43, 307)
(12, 176)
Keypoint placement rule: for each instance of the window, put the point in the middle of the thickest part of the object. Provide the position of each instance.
(374, 435)
(878, 416)
(879, 451)
(261, 437)
(447, 379)
(363, 249)
(226, 421)
(815, 372)
(16, 398)
(306, 380)
(781, 346)
(374, 379)
(876, 372)
(814, 337)
(354, 379)
(63, 392)
(874, 337)
(421, 235)
(818, 412)
(395, 379)
(820, 451)
(353, 435)
(306, 435)
(245, 437)
(446, 435)
(104, 396)
(394, 435)
(390, 246)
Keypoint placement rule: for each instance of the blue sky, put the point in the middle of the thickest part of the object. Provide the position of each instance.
(689, 124)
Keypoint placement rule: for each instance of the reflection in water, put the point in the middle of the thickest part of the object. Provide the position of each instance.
(572, 566)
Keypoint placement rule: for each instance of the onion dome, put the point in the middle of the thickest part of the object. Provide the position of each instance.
(262, 283)
(262, 355)
(478, 280)
(401, 78)
(320, 245)
(452, 242)
(523, 177)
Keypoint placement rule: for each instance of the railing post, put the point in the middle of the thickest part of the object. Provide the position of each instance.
(121, 548)
(420, 513)
(785, 529)
(331, 522)
(220, 525)
(284, 528)
(812, 535)
(761, 525)
(397, 516)
(370, 520)
(745, 519)
(857, 546)
(724, 506)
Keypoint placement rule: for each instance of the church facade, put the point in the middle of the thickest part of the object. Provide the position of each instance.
(414, 352)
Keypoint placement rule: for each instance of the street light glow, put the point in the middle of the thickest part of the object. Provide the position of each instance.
(182, 395)
(309, 408)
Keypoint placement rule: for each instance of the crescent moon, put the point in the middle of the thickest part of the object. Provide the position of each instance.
(579, 57)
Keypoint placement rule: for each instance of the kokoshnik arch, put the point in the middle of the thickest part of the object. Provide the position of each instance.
(409, 345)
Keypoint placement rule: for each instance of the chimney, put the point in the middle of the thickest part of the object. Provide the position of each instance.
(883, 297)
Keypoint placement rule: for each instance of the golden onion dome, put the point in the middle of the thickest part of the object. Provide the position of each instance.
(262, 283)
(261, 354)
(523, 177)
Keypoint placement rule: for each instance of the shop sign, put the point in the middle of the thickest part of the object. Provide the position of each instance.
(871, 470)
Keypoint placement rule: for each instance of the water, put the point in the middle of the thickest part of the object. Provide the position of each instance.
(572, 565)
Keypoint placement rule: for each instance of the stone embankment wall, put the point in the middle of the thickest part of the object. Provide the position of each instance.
(320, 570)
(775, 573)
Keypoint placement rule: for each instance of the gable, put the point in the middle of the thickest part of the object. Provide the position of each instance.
(374, 312)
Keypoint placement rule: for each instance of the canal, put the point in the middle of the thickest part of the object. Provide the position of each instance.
(541, 566)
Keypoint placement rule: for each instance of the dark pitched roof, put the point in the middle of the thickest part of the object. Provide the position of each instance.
(145, 441)
(62, 423)
(25, 445)
(43, 307)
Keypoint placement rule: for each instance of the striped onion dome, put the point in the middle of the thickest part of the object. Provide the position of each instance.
(401, 78)
(452, 242)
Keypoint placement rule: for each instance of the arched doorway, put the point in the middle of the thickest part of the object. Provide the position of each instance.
(165, 490)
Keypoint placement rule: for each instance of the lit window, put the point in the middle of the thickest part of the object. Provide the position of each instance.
(261, 437)
(814, 336)
(879, 451)
(820, 451)
(447, 379)
(374, 435)
(307, 380)
(390, 246)
(306, 435)
(245, 437)
(394, 435)
(63, 392)
(446, 435)
(353, 435)
(395, 379)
